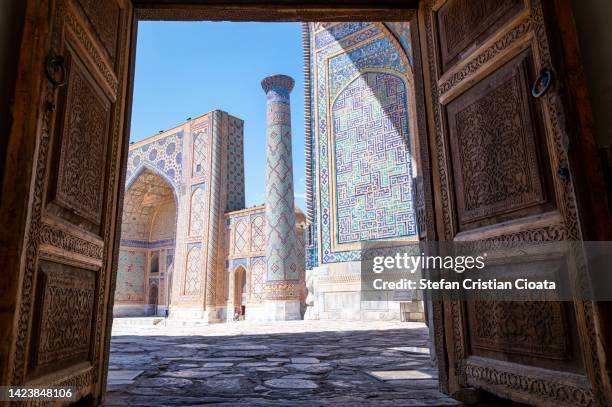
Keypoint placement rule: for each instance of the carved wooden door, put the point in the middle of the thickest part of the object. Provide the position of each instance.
(501, 173)
(63, 310)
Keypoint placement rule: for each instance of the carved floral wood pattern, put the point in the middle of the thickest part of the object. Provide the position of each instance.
(530, 328)
(104, 17)
(83, 150)
(68, 295)
(72, 318)
(463, 22)
(493, 147)
(477, 61)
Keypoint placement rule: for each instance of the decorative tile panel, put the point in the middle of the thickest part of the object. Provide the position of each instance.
(335, 68)
(193, 275)
(241, 231)
(401, 31)
(258, 234)
(197, 215)
(163, 155)
(344, 67)
(372, 171)
(336, 32)
(201, 140)
(235, 165)
(258, 278)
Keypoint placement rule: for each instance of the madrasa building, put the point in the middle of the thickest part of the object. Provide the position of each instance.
(191, 250)
(189, 247)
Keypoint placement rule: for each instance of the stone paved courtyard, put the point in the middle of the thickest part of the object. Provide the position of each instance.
(299, 363)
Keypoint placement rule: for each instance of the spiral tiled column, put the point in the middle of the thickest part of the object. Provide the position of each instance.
(284, 282)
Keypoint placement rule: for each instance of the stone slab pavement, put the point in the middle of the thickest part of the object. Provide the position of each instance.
(296, 363)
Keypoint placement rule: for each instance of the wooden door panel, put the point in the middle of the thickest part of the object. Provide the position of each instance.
(82, 139)
(493, 130)
(63, 316)
(463, 24)
(62, 330)
(500, 174)
(509, 327)
(531, 334)
(105, 19)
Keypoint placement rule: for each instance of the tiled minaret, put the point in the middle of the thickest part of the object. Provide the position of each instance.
(284, 284)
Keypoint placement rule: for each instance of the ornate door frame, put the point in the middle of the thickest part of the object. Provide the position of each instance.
(445, 81)
(30, 233)
(69, 148)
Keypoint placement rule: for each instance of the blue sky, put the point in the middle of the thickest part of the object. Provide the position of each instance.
(184, 69)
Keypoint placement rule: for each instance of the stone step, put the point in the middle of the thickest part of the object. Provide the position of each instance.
(123, 321)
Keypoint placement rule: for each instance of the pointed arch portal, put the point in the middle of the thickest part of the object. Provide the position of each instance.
(148, 232)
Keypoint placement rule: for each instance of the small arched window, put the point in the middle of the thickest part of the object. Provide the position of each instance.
(155, 263)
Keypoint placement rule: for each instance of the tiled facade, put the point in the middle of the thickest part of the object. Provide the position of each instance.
(360, 188)
(360, 170)
(176, 183)
(360, 110)
(184, 188)
(246, 242)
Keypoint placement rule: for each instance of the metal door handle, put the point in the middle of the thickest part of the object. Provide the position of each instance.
(543, 83)
(55, 70)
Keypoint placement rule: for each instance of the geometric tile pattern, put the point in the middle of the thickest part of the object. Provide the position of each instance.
(301, 252)
(334, 68)
(372, 178)
(281, 255)
(334, 32)
(401, 31)
(196, 223)
(258, 233)
(258, 278)
(163, 155)
(200, 152)
(343, 68)
(240, 237)
(215, 204)
(163, 226)
(193, 275)
(235, 162)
